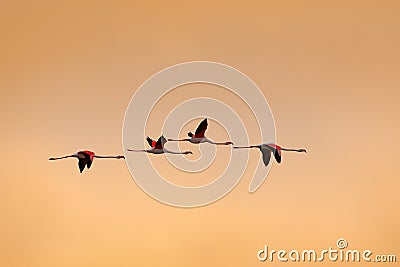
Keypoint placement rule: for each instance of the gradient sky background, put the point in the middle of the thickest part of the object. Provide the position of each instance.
(330, 72)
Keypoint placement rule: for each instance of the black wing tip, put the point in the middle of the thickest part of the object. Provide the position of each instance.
(81, 164)
(149, 140)
(159, 142)
(278, 157)
(190, 134)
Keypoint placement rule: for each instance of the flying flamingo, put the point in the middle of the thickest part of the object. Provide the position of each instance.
(86, 157)
(158, 147)
(267, 149)
(198, 137)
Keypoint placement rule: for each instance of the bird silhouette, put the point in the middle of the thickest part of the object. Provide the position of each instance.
(85, 158)
(268, 149)
(157, 147)
(199, 136)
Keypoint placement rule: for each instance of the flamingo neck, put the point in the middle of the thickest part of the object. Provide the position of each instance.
(246, 147)
(109, 157)
(176, 153)
(178, 139)
(223, 143)
(292, 149)
(64, 157)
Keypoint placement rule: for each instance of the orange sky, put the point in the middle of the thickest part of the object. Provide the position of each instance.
(330, 72)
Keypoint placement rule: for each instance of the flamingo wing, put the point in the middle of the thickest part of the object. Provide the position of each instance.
(89, 161)
(201, 129)
(163, 140)
(277, 152)
(160, 142)
(151, 142)
(82, 163)
(278, 155)
(88, 154)
(266, 153)
(89, 157)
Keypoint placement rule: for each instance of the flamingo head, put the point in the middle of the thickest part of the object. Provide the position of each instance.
(228, 143)
(120, 157)
(188, 152)
(302, 150)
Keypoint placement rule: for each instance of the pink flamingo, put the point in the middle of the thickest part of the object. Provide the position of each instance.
(268, 149)
(158, 147)
(198, 137)
(86, 157)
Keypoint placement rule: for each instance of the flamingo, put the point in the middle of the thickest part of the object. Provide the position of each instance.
(267, 149)
(86, 157)
(198, 137)
(157, 147)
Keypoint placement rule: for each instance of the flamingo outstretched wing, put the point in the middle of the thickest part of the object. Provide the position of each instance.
(278, 155)
(277, 152)
(160, 142)
(89, 155)
(89, 160)
(266, 153)
(201, 129)
(151, 142)
(82, 163)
